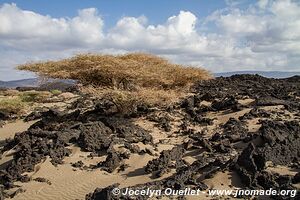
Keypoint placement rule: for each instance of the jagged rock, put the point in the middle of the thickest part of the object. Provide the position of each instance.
(95, 136)
(103, 193)
(255, 113)
(165, 160)
(42, 180)
(248, 164)
(113, 161)
(128, 131)
(296, 178)
(204, 121)
(226, 103)
(78, 164)
(282, 141)
(235, 130)
(3, 116)
(163, 122)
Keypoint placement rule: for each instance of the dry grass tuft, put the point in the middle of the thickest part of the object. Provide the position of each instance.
(126, 101)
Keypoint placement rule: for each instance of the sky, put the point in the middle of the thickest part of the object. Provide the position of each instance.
(219, 35)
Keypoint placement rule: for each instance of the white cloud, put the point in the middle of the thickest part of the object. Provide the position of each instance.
(21, 29)
(262, 3)
(265, 36)
(238, 23)
(273, 35)
(183, 24)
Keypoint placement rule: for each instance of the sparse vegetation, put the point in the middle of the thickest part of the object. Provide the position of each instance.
(34, 96)
(124, 71)
(13, 102)
(126, 101)
(56, 92)
(128, 79)
(9, 92)
(11, 105)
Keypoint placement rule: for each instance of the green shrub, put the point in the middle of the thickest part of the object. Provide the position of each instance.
(56, 92)
(34, 96)
(12, 106)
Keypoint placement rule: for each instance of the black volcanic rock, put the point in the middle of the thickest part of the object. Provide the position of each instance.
(95, 125)
(281, 145)
(95, 136)
(235, 130)
(253, 86)
(165, 160)
(225, 103)
(103, 193)
(282, 142)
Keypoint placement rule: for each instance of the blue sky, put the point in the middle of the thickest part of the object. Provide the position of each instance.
(219, 35)
(112, 10)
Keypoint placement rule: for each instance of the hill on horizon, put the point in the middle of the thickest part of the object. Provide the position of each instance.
(30, 82)
(268, 74)
(34, 82)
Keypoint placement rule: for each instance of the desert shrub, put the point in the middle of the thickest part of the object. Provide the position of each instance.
(124, 101)
(127, 101)
(123, 71)
(56, 92)
(34, 96)
(127, 80)
(9, 92)
(11, 105)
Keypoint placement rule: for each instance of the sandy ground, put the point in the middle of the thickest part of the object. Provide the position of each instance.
(10, 129)
(69, 183)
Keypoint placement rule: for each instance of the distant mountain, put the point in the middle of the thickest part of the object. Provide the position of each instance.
(268, 74)
(32, 82)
